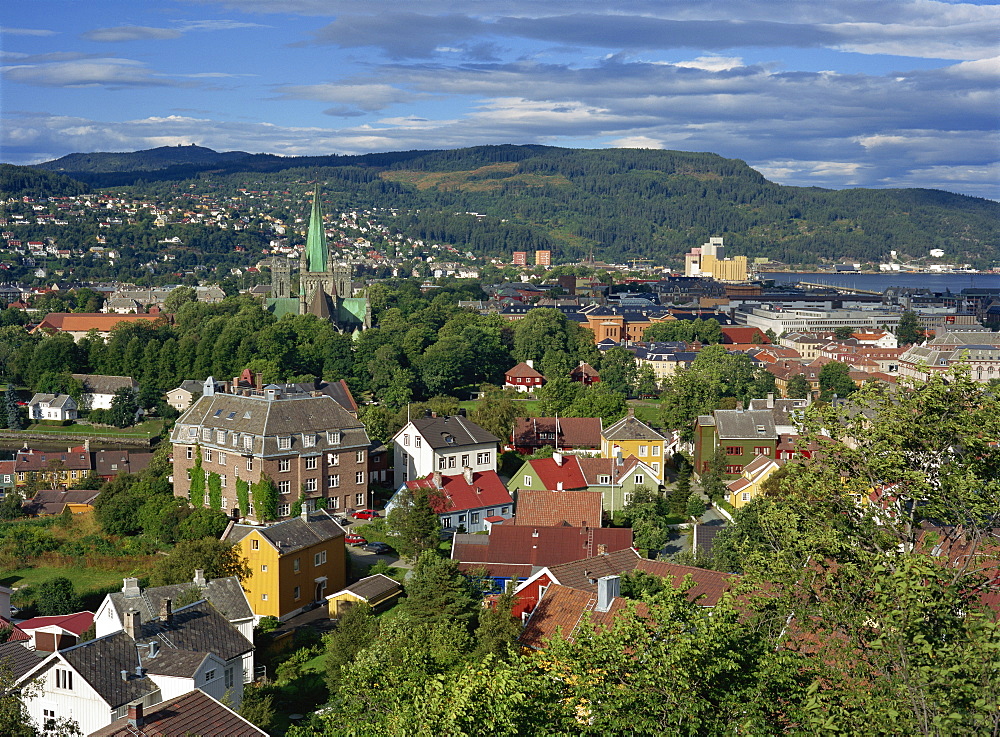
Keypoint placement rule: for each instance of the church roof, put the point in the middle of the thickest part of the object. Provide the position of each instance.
(316, 240)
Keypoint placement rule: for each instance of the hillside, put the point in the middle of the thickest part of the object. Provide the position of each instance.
(23, 181)
(620, 203)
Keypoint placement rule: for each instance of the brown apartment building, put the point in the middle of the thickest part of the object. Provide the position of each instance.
(305, 441)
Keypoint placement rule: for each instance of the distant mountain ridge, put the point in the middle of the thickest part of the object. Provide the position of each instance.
(619, 203)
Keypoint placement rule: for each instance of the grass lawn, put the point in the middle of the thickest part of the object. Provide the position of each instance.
(84, 579)
(147, 429)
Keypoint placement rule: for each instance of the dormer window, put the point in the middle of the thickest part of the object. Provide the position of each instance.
(604, 479)
(333, 437)
(308, 440)
(285, 443)
(206, 434)
(192, 432)
(220, 436)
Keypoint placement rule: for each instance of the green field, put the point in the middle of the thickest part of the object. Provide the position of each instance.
(83, 578)
(147, 429)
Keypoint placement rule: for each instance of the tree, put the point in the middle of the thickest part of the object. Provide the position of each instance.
(11, 506)
(646, 383)
(713, 480)
(678, 496)
(265, 499)
(646, 514)
(695, 505)
(414, 522)
(556, 395)
(13, 410)
(124, 408)
(909, 330)
(496, 411)
(56, 596)
(437, 593)
(618, 370)
(835, 378)
(498, 628)
(355, 631)
(202, 522)
(179, 297)
(217, 558)
(843, 332)
(798, 387)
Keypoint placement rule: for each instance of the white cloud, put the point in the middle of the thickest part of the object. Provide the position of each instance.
(27, 31)
(91, 72)
(130, 33)
(712, 63)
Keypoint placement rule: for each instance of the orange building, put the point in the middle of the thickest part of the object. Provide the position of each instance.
(543, 258)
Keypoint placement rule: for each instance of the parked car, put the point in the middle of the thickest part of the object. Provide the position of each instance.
(353, 539)
(378, 548)
(366, 514)
(341, 520)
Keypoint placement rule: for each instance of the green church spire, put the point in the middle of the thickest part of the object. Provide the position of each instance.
(316, 240)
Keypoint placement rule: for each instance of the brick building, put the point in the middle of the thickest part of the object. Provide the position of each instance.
(305, 441)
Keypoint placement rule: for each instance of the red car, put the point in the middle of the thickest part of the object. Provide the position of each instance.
(354, 539)
(366, 514)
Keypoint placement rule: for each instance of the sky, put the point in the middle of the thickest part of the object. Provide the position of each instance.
(839, 93)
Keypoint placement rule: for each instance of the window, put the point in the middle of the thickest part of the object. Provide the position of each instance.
(284, 443)
(114, 467)
(284, 487)
(284, 465)
(333, 459)
(192, 432)
(451, 462)
(656, 451)
(64, 679)
(319, 558)
(483, 458)
(206, 433)
(190, 453)
(361, 456)
(263, 568)
(505, 510)
(762, 450)
(734, 469)
(490, 512)
(250, 464)
(406, 439)
(643, 451)
(333, 502)
(222, 480)
(417, 440)
(308, 440)
(474, 518)
(297, 594)
(311, 485)
(734, 450)
(220, 436)
(255, 544)
(527, 480)
(296, 564)
(461, 519)
(334, 481)
(49, 720)
(223, 458)
(465, 460)
(359, 477)
(442, 464)
(263, 597)
(604, 479)
(248, 442)
(312, 463)
(639, 478)
(210, 675)
(445, 523)
(283, 510)
(745, 496)
(656, 468)
(225, 502)
(208, 454)
(333, 437)
(359, 500)
(229, 677)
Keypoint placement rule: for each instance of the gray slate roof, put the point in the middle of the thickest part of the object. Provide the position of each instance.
(19, 659)
(629, 428)
(462, 431)
(101, 661)
(292, 534)
(54, 400)
(198, 627)
(374, 587)
(225, 594)
(97, 384)
(176, 663)
(745, 424)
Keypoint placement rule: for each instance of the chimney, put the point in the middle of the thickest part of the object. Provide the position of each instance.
(467, 473)
(133, 623)
(124, 675)
(558, 458)
(559, 485)
(131, 588)
(437, 479)
(427, 414)
(608, 587)
(199, 576)
(589, 576)
(166, 611)
(461, 412)
(770, 400)
(258, 380)
(602, 549)
(534, 533)
(134, 712)
(631, 411)
(154, 649)
(305, 510)
(530, 362)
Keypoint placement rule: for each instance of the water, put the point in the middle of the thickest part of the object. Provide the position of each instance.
(883, 280)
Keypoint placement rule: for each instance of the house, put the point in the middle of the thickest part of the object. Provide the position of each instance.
(512, 551)
(99, 391)
(293, 563)
(632, 437)
(585, 374)
(464, 501)
(93, 683)
(47, 502)
(448, 444)
(561, 433)
(52, 469)
(110, 463)
(52, 407)
(745, 489)
(181, 397)
(523, 377)
(562, 610)
(193, 713)
(7, 480)
(48, 634)
(78, 324)
(616, 479)
(550, 508)
(225, 594)
(379, 591)
(308, 444)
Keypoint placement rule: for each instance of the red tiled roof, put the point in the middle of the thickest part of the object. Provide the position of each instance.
(16, 634)
(499, 570)
(736, 334)
(551, 474)
(523, 370)
(574, 432)
(708, 588)
(76, 623)
(194, 713)
(593, 468)
(562, 609)
(540, 546)
(584, 369)
(75, 459)
(547, 508)
(485, 490)
(81, 322)
(582, 574)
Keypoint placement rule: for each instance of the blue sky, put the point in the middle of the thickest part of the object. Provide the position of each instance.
(840, 93)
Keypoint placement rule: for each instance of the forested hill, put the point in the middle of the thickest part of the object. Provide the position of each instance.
(23, 181)
(620, 203)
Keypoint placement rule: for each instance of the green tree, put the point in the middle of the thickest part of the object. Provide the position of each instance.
(496, 411)
(179, 297)
(498, 629)
(909, 330)
(217, 558)
(13, 410)
(56, 596)
(619, 371)
(355, 631)
(557, 395)
(202, 522)
(413, 521)
(437, 593)
(646, 383)
(798, 387)
(843, 332)
(124, 408)
(695, 506)
(646, 513)
(835, 378)
(265, 499)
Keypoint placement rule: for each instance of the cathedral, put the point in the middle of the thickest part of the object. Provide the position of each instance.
(325, 287)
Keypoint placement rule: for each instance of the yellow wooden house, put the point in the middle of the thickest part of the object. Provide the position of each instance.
(632, 437)
(379, 591)
(293, 563)
(743, 490)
